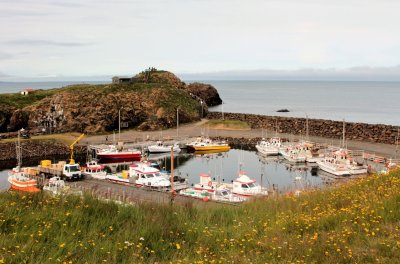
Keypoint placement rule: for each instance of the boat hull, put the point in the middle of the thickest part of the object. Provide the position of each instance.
(27, 186)
(122, 156)
(209, 148)
(333, 170)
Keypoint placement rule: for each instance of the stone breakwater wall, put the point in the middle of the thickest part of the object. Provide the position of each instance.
(376, 133)
(38, 148)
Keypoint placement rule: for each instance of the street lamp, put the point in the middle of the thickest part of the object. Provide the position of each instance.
(201, 102)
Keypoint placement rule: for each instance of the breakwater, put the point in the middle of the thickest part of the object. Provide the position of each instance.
(376, 133)
(46, 149)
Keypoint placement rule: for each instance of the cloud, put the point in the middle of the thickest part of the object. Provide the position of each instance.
(2, 75)
(38, 42)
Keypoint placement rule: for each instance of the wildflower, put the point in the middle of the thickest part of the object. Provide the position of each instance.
(178, 246)
(62, 245)
(141, 238)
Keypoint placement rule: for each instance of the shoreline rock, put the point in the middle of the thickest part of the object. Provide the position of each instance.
(376, 133)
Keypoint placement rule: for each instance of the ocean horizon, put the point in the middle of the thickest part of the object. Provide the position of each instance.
(372, 102)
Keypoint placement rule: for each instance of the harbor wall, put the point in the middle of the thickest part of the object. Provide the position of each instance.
(377, 133)
(45, 149)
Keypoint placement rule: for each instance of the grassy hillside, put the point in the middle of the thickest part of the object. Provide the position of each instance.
(356, 223)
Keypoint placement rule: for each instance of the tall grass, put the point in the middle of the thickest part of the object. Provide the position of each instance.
(227, 124)
(358, 222)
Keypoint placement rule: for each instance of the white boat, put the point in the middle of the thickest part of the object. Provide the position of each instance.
(145, 175)
(293, 154)
(221, 194)
(205, 184)
(338, 163)
(160, 147)
(244, 186)
(55, 186)
(94, 170)
(113, 153)
(269, 147)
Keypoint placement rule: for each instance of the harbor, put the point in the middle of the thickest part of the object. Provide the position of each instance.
(277, 174)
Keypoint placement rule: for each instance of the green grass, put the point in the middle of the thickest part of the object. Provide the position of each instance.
(358, 222)
(227, 124)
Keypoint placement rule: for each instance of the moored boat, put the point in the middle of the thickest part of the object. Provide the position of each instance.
(160, 147)
(112, 152)
(94, 170)
(208, 145)
(244, 186)
(339, 163)
(269, 147)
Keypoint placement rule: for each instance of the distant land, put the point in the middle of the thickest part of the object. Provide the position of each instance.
(362, 73)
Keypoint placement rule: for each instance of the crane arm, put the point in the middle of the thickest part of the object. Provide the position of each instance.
(71, 147)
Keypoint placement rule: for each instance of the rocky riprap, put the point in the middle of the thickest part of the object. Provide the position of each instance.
(46, 149)
(376, 133)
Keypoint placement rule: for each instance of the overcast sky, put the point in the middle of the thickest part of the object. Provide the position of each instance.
(44, 38)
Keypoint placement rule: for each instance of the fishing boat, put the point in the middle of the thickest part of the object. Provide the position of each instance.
(209, 145)
(21, 182)
(221, 194)
(143, 174)
(340, 164)
(18, 178)
(293, 154)
(160, 147)
(246, 187)
(269, 147)
(113, 153)
(94, 170)
(205, 184)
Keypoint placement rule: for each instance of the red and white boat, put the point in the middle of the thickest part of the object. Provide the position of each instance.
(112, 152)
(94, 170)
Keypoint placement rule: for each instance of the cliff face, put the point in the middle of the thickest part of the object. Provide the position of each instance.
(206, 92)
(150, 102)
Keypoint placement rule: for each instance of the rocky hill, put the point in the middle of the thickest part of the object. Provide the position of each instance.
(148, 102)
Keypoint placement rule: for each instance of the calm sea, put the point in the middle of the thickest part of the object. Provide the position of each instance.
(368, 102)
(14, 87)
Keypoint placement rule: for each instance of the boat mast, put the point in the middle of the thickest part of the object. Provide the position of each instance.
(172, 176)
(307, 130)
(397, 143)
(19, 151)
(344, 134)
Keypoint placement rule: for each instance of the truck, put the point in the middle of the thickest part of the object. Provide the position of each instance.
(70, 171)
(61, 169)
